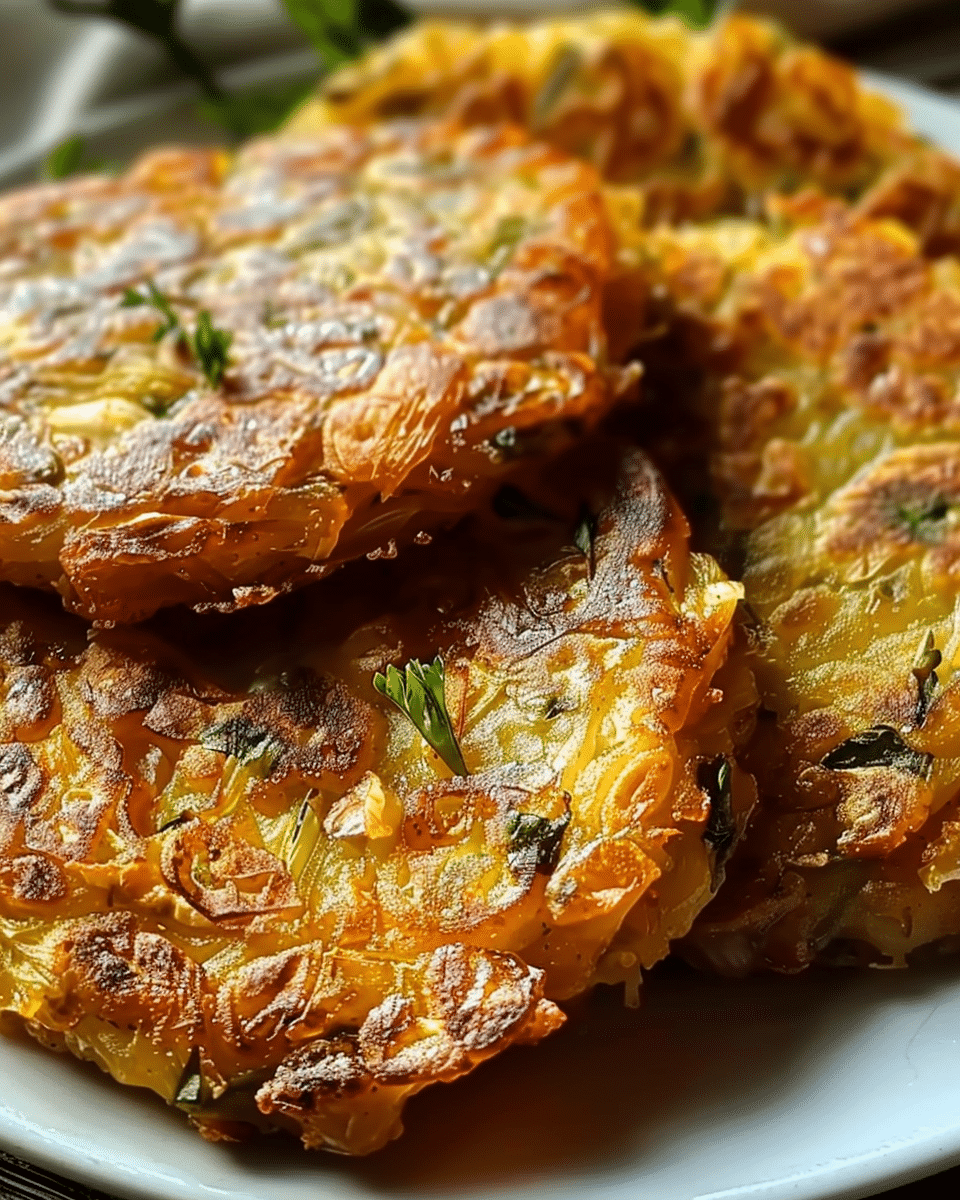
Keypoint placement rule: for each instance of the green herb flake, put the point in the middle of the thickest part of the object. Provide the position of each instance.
(880, 746)
(923, 519)
(208, 345)
(533, 842)
(211, 348)
(561, 73)
(925, 673)
(242, 739)
(153, 297)
(65, 159)
(584, 536)
(419, 693)
(506, 237)
(720, 833)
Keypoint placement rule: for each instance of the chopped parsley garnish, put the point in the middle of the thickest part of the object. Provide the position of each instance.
(208, 345)
(563, 68)
(420, 695)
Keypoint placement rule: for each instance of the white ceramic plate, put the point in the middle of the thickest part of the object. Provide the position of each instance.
(829, 1085)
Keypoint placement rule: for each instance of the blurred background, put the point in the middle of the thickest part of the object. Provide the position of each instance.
(69, 73)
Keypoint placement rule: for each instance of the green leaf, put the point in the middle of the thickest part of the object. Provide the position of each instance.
(696, 13)
(246, 114)
(924, 519)
(881, 746)
(211, 348)
(925, 673)
(720, 833)
(533, 842)
(331, 26)
(240, 738)
(506, 237)
(420, 694)
(65, 159)
(584, 536)
(157, 300)
(561, 73)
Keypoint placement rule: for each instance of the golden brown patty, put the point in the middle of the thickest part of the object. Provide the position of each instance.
(830, 358)
(235, 873)
(705, 123)
(414, 310)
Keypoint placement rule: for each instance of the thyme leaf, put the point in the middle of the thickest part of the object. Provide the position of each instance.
(418, 691)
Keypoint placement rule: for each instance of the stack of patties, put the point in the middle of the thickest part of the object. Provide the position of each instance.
(801, 348)
(288, 865)
(432, 719)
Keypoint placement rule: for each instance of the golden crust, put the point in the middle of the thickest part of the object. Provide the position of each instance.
(704, 123)
(414, 311)
(234, 873)
(830, 375)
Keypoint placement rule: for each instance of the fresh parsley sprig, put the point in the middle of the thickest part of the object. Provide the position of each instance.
(420, 695)
(209, 346)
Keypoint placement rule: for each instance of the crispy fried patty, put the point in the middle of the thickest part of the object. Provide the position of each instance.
(830, 386)
(415, 310)
(233, 872)
(698, 123)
